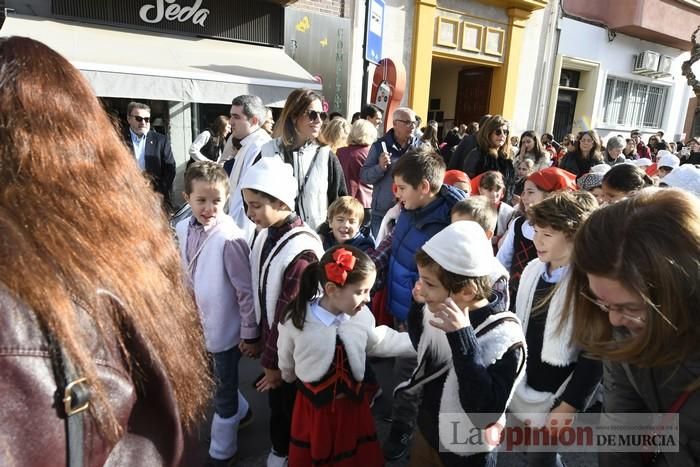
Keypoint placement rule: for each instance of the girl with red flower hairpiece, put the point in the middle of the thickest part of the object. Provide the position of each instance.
(324, 339)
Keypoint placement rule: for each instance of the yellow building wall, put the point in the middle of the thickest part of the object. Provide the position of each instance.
(505, 77)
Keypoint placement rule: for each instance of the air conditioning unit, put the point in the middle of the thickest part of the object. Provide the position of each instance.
(647, 62)
(664, 66)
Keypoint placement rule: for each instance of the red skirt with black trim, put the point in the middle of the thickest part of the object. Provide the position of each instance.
(339, 434)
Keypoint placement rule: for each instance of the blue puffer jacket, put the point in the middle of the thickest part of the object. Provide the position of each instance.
(413, 229)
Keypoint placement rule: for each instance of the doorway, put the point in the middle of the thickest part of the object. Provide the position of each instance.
(564, 113)
(473, 94)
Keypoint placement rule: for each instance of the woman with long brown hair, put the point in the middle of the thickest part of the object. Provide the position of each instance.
(90, 283)
(209, 144)
(493, 153)
(586, 154)
(634, 295)
(531, 148)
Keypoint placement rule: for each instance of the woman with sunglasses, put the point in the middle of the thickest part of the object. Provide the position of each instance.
(634, 295)
(493, 153)
(316, 169)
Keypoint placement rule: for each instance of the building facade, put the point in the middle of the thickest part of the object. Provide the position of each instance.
(186, 59)
(466, 58)
(618, 67)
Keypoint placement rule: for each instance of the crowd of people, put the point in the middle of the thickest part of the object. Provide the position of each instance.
(502, 275)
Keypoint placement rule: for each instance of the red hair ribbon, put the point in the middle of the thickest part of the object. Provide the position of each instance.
(337, 272)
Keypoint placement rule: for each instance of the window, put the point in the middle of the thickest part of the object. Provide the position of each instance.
(633, 103)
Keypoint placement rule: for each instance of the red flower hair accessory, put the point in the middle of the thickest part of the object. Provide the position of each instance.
(337, 272)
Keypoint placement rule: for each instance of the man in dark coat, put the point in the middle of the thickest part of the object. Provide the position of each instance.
(151, 150)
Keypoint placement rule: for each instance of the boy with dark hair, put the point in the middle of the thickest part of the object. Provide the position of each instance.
(466, 342)
(426, 205)
(281, 251)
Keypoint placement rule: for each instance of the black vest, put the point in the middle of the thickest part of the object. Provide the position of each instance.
(212, 150)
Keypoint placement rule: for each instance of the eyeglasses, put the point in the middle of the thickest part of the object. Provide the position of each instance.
(620, 309)
(141, 119)
(408, 122)
(500, 132)
(314, 115)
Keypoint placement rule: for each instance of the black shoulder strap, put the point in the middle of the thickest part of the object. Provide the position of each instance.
(74, 393)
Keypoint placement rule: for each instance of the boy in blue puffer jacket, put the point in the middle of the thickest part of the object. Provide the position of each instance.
(426, 205)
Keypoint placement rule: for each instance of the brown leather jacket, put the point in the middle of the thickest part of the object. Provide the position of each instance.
(33, 432)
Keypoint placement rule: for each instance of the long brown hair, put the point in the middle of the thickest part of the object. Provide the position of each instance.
(597, 145)
(218, 129)
(77, 216)
(492, 124)
(296, 104)
(650, 243)
(539, 152)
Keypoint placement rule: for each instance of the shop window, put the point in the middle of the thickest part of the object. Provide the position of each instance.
(633, 103)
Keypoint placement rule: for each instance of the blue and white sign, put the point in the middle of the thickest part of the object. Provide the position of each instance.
(375, 31)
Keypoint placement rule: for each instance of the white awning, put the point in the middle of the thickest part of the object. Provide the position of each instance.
(143, 65)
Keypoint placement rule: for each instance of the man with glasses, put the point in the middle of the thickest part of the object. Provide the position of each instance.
(151, 150)
(385, 151)
(642, 149)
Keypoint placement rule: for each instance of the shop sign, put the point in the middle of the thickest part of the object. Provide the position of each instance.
(253, 21)
(174, 12)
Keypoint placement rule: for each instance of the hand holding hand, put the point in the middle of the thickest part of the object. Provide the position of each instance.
(271, 380)
(450, 316)
(251, 350)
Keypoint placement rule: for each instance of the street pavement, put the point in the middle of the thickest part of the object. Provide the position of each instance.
(254, 444)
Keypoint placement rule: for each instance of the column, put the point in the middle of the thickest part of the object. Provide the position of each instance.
(180, 140)
(505, 78)
(422, 59)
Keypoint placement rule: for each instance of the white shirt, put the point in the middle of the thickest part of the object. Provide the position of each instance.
(199, 142)
(139, 143)
(250, 148)
(326, 317)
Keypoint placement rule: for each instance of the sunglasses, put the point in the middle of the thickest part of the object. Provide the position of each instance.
(500, 132)
(314, 115)
(141, 119)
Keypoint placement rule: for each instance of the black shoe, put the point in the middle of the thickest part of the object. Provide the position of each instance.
(247, 420)
(230, 462)
(396, 445)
